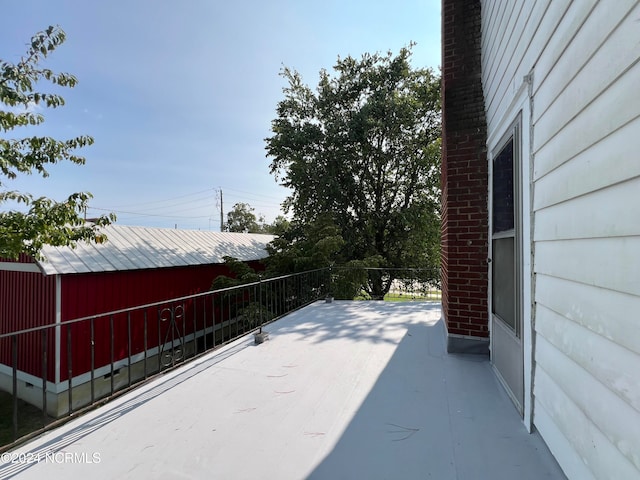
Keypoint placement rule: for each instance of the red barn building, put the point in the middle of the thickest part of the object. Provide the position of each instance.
(136, 266)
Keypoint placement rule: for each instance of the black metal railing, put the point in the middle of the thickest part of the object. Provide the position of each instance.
(54, 371)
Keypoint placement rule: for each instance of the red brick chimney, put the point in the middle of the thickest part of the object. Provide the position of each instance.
(464, 181)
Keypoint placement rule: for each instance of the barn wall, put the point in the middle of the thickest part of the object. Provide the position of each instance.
(93, 294)
(27, 299)
(584, 57)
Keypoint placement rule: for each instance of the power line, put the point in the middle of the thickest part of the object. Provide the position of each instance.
(251, 194)
(170, 211)
(199, 203)
(165, 200)
(162, 204)
(165, 207)
(147, 214)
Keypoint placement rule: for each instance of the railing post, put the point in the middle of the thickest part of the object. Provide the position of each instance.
(173, 335)
(228, 318)
(204, 323)
(183, 346)
(145, 346)
(93, 360)
(129, 348)
(195, 327)
(213, 318)
(330, 286)
(70, 369)
(14, 361)
(330, 292)
(260, 301)
(44, 377)
(160, 346)
(112, 351)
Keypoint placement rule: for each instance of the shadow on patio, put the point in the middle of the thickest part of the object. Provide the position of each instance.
(342, 390)
(435, 415)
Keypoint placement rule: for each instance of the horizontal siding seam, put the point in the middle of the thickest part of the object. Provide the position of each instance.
(587, 193)
(490, 119)
(576, 281)
(559, 386)
(566, 44)
(586, 105)
(622, 125)
(495, 31)
(578, 239)
(582, 324)
(582, 67)
(486, 21)
(563, 450)
(526, 41)
(553, 240)
(586, 285)
(491, 79)
(501, 41)
(577, 405)
(595, 333)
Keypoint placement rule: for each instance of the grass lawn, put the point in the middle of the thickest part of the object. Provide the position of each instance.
(29, 418)
(431, 296)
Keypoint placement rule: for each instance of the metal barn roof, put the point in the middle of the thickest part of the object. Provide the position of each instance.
(133, 248)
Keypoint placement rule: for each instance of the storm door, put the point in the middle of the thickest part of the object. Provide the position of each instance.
(506, 318)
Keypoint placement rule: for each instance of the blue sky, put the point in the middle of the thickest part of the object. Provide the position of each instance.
(179, 95)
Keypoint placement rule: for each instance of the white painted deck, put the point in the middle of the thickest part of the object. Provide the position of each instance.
(348, 390)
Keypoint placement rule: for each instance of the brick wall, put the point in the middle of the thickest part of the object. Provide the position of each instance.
(464, 175)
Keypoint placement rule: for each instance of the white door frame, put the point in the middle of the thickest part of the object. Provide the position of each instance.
(521, 105)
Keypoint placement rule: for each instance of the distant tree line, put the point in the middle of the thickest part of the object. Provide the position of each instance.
(241, 218)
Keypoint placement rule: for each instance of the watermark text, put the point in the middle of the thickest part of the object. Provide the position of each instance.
(26, 458)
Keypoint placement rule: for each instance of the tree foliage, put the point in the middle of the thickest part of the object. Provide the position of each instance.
(249, 309)
(242, 219)
(299, 247)
(240, 273)
(361, 153)
(41, 220)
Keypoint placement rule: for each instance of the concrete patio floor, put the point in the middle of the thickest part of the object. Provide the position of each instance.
(346, 390)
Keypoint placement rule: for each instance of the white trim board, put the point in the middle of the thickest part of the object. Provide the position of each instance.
(521, 105)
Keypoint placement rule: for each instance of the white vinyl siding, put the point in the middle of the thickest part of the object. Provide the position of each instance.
(584, 56)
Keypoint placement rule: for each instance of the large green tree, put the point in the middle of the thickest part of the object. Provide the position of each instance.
(298, 247)
(364, 149)
(241, 218)
(40, 220)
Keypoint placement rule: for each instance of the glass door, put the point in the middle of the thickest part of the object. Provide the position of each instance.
(506, 321)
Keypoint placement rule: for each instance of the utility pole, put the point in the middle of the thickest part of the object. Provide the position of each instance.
(221, 212)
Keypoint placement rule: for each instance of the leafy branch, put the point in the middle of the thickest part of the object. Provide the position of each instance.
(41, 221)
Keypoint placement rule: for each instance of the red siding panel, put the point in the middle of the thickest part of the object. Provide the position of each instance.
(27, 299)
(93, 294)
